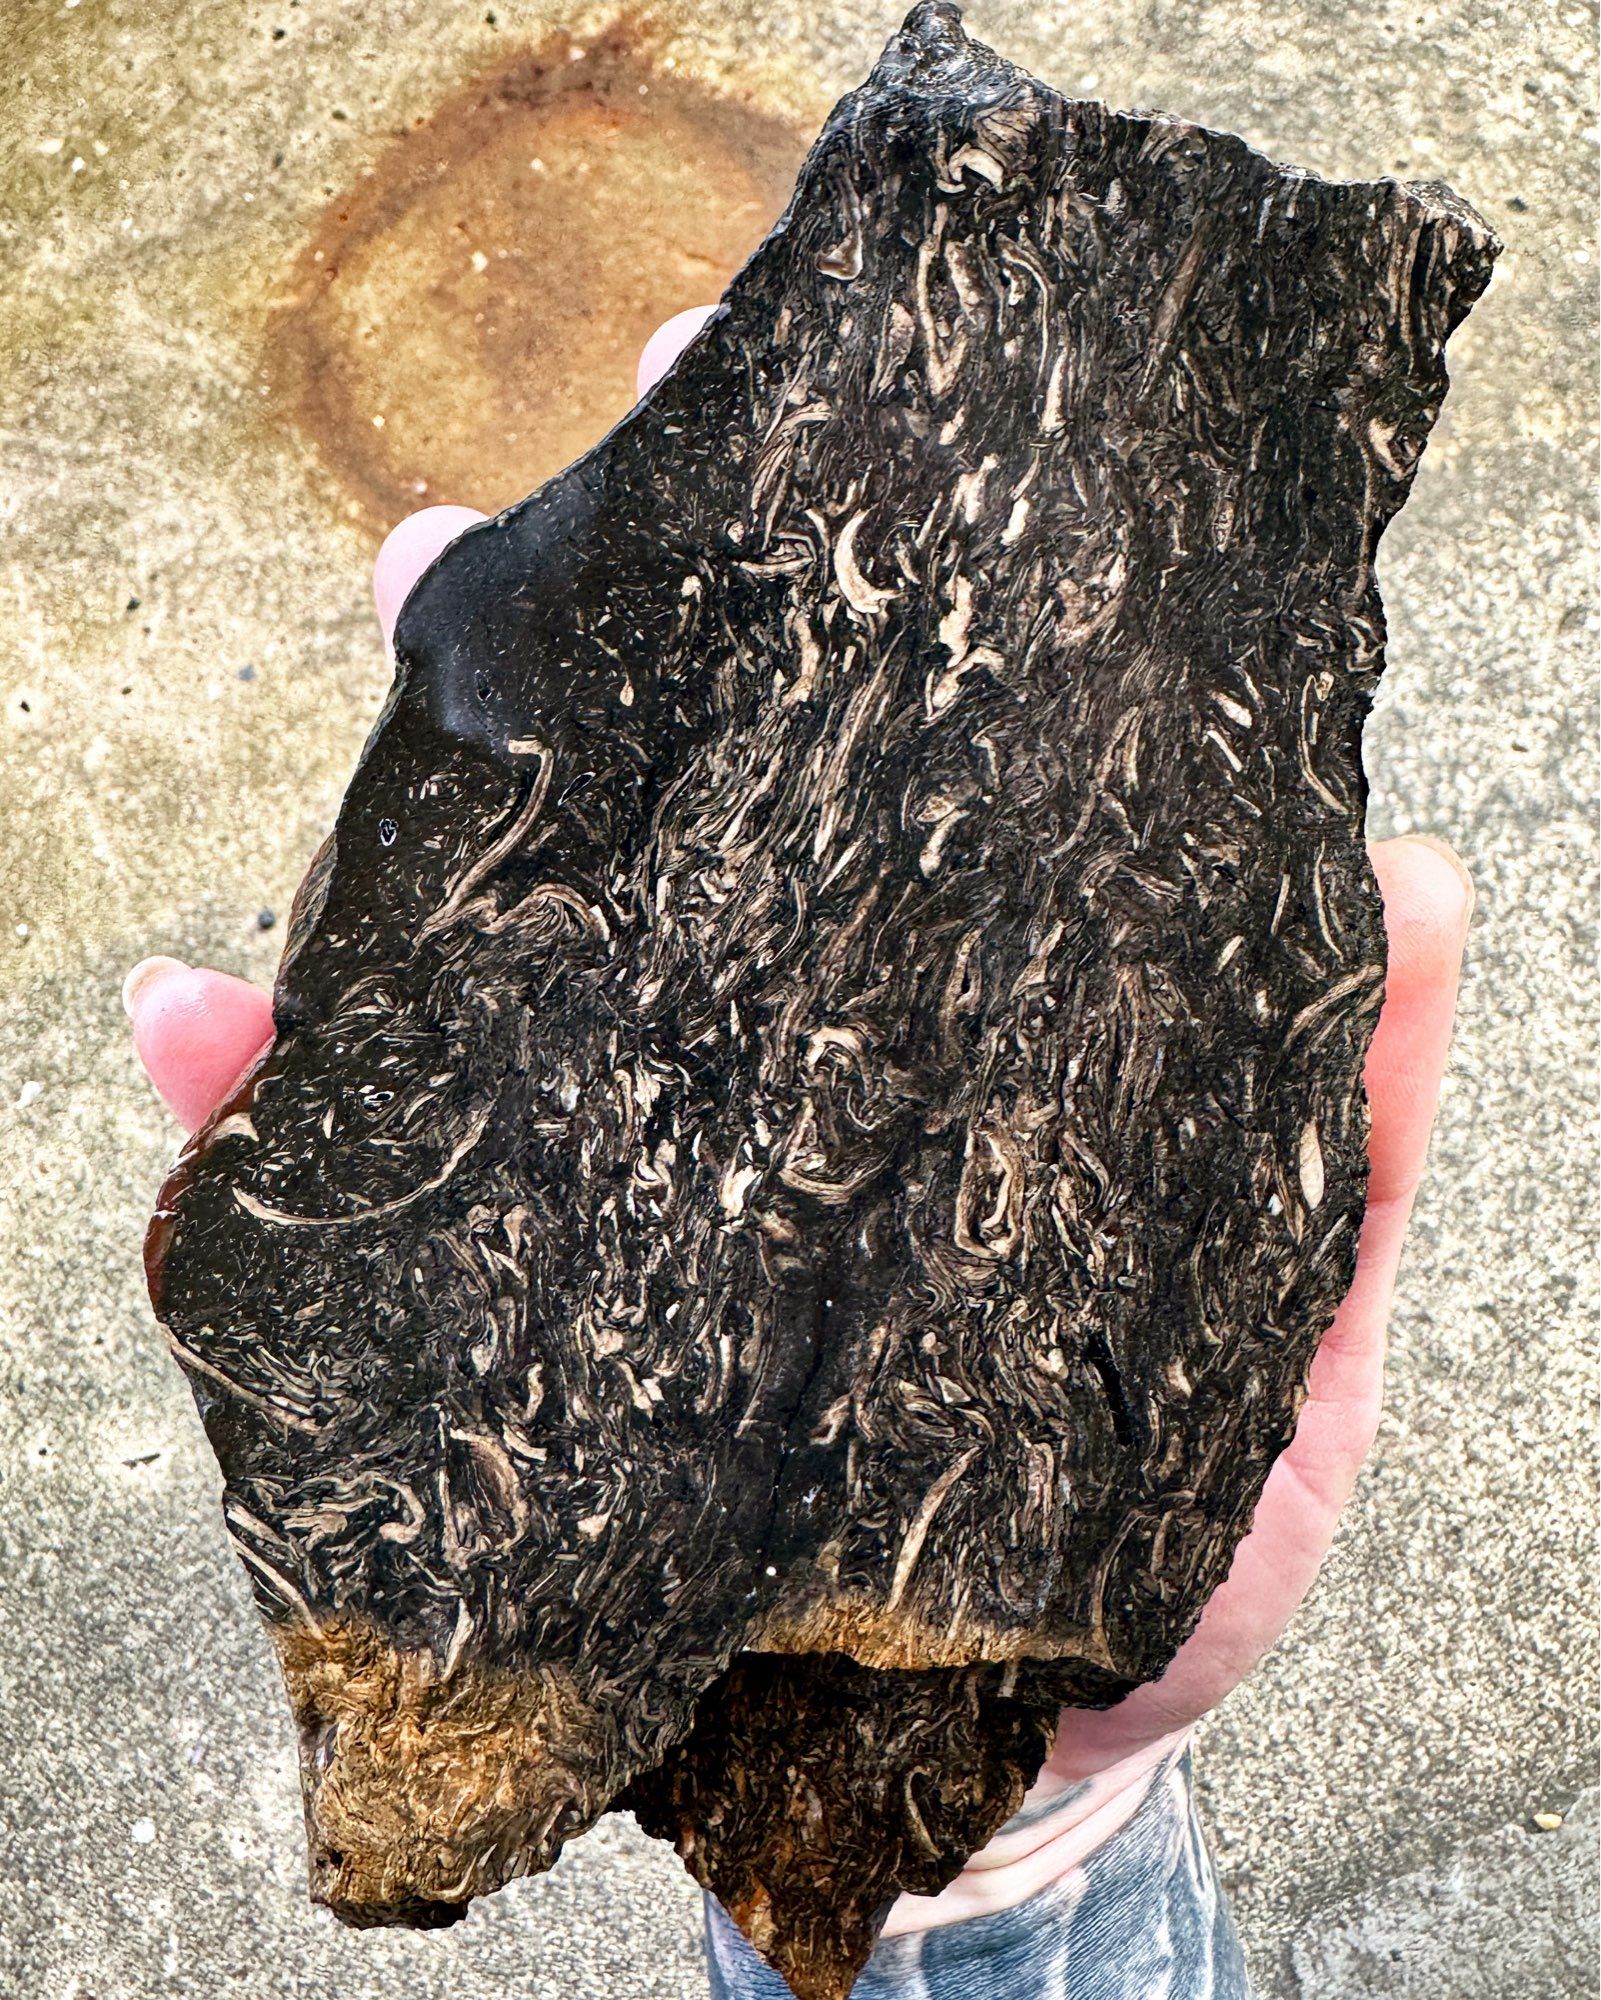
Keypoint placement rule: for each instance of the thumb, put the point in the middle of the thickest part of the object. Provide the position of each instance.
(196, 1032)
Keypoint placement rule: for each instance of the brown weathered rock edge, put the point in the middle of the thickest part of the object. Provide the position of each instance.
(817, 1099)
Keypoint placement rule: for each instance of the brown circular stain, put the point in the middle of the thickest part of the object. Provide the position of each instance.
(466, 320)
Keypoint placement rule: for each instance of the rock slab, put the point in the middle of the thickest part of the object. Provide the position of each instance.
(816, 1120)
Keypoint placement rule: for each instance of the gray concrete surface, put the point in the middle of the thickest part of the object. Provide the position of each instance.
(1504, 1914)
(233, 235)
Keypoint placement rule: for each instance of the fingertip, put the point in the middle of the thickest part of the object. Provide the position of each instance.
(667, 343)
(142, 976)
(409, 547)
(196, 1032)
(1431, 843)
(1428, 895)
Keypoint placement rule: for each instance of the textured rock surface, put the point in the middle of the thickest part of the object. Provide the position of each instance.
(156, 797)
(817, 1104)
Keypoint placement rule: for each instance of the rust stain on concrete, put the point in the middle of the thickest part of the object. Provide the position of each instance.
(466, 319)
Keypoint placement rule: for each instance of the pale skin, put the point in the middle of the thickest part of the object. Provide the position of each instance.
(197, 1031)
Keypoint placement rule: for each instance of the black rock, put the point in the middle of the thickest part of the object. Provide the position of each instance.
(817, 1121)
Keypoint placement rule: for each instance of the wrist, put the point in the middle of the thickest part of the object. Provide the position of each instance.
(1060, 1825)
(1117, 1901)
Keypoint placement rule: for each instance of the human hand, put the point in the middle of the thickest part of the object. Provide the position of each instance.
(198, 1031)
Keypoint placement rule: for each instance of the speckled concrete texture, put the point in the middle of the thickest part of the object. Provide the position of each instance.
(1508, 1913)
(273, 271)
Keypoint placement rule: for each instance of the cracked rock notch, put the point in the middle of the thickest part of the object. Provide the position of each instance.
(817, 1120)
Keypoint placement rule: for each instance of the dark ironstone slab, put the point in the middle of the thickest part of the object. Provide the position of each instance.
(817, 1120)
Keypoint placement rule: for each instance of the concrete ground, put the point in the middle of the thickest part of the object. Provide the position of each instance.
(274, 271)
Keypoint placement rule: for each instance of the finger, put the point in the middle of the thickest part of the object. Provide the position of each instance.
(1428, 904)
(1428, 900)
(408, 549)
(667, 343)
(195, 1032)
